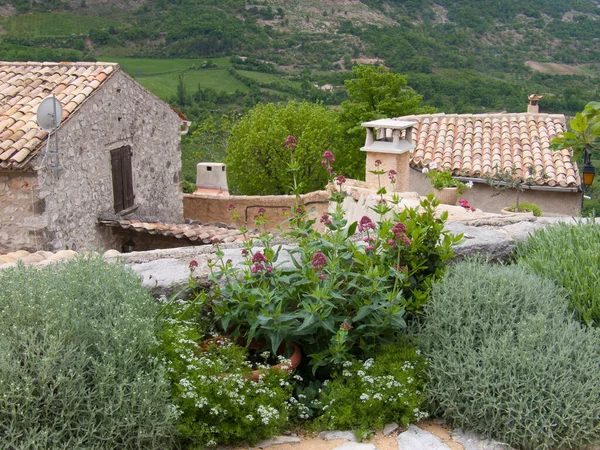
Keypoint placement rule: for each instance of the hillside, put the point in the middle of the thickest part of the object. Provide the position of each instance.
(462, 55)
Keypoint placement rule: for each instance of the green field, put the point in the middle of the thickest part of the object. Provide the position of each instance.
(161, 76)
(52, 25)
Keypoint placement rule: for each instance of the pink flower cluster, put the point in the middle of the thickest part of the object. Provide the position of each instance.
(328, 160)
(258, 259)
(325, 219)
(318, 261)
(392, 175)
(399, 231)
(291, 143)
(465, 204)
(365, 224)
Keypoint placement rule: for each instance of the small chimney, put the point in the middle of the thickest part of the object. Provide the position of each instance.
(388, 144)
(534, 107)
(211, 179)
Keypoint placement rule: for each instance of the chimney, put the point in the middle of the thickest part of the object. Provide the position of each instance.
(211, 179)
(534, 107)
(389, 141)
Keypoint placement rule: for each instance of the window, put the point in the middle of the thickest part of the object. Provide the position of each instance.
(122, 178)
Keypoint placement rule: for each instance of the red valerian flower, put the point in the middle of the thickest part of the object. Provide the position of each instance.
(378, 162)
(340, 179)
(318, 261)
(230, 207)
(365, 224)
(245, 252)
(328, 157)
(325, 219)
(193, 264)
(257, 267)
(392, 175)
(291, 142)
(258, 257)
(322, 276)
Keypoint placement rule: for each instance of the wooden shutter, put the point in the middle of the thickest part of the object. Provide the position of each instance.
(122, 176)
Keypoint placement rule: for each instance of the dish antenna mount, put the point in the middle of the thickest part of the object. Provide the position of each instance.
(49, 116)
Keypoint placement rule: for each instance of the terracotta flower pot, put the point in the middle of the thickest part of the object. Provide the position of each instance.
(294, 360)
(447, 196)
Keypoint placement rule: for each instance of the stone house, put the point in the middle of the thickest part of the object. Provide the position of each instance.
(472, 146)
(118, 155)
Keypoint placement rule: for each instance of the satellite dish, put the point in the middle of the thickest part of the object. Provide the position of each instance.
(49, 114)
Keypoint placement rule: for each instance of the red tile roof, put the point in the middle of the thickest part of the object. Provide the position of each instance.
(472, 145)
(195, 232)
(23, 86)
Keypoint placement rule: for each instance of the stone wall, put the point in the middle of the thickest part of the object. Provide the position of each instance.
(121, 113)
(20, 212)
(212, 208)
(490, 199)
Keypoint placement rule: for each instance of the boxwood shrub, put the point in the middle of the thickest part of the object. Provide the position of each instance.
(507, 359)
(77, 368)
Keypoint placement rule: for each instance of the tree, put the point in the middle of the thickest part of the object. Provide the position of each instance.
(374, 93)
(182, 97)
(585, 132)
(256, 159)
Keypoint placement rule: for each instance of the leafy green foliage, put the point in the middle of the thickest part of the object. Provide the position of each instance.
(441, 179)
(507, 359)
(256, 159)
(527, 207)
(216, 400)
(569, 256)
(367, 395)
(374, 93)
(585, 134)
(76, 360)
(334, 295)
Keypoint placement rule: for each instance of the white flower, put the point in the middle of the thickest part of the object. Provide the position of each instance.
(469, 184)
(425, 170)
(433, 165)
(364, 397)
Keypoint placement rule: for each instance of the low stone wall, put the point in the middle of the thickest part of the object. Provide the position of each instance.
(216, 208)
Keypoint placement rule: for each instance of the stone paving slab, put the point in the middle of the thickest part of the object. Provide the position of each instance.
(417, 439)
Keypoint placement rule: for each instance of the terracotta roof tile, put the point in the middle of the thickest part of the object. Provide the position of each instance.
(194, 232)
(473, 145)
(23, 86)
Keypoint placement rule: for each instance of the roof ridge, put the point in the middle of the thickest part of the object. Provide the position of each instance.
(507, 114)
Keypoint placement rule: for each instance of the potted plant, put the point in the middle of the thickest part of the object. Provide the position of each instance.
(447, 189)
(512, 179)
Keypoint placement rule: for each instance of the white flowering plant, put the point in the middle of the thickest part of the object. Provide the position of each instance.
(366, 394)
(216, 400)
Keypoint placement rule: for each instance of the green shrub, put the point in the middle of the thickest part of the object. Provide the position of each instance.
(218, 404)
(507, 359)
(367, 395)
(569, 255)
(77, 368)
(256, 159)
(527, 207)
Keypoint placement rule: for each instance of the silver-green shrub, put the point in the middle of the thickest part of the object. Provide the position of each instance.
(569, 255)
(77, 362)
(508, 360)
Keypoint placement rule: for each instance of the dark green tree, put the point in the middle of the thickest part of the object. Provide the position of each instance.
(374, 93)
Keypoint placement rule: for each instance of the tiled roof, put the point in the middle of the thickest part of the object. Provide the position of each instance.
(194, 232)
(23, 86)
(472, 145)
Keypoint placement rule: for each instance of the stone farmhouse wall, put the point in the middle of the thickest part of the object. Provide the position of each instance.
(19, 226)
(121, 113)
(489, 199)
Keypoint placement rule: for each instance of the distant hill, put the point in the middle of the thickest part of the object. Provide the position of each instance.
(462, 55)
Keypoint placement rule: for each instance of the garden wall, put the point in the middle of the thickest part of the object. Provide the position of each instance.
(214, 209)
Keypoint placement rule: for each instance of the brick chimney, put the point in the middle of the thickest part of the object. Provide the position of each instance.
(534, 107)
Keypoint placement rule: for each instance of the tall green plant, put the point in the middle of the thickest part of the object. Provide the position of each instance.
(335, 295)
(568, 255)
